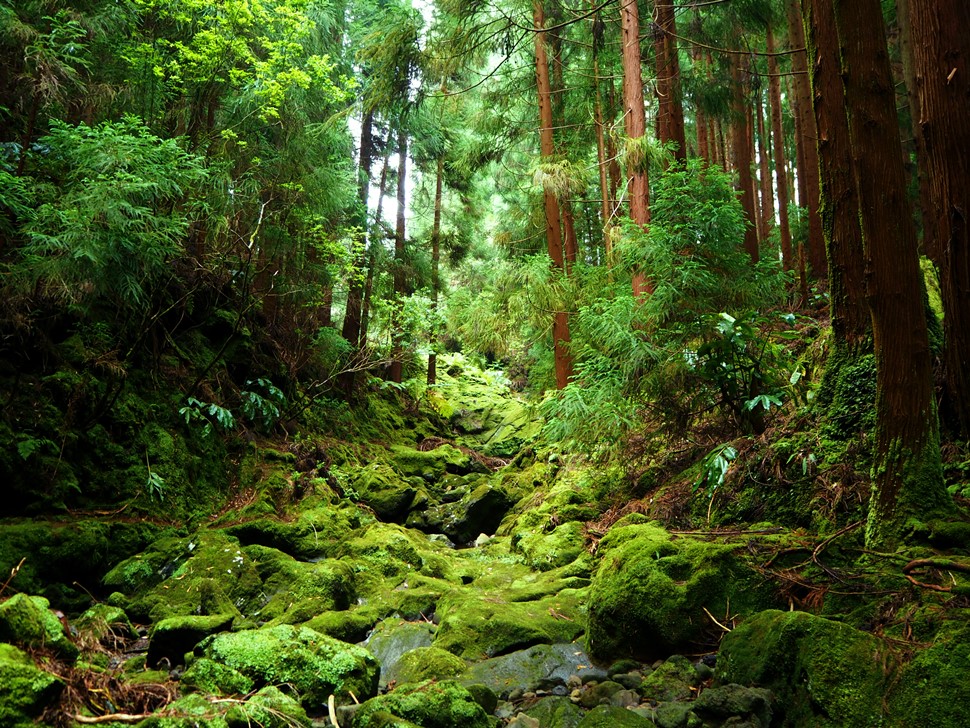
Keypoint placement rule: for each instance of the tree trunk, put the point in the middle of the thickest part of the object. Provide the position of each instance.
(941, 46)
(400, 275)
(807, 141)
(601, 163)
(907, 473)
(554, 243)
(635, 121)
(743, 153)
(781, 163)
(372, 256)
(670, 113)
(764, 172)
(851, 322)
(435, 264)
(351, 327)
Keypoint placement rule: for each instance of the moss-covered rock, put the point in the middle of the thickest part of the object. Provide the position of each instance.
(393, 638)
(189, 711)
(205, 574)
(735, 701)
(347, 626)
(543, 667)
(385, 491)
(609, 716)
(213, 678)
(268, 708)
(298, 591)
(823, 673)
(444, 704)
(551, 547)
(26, 691)
(314, 532)
(173, 637)
(648, 597)
(102, 621)
(474, 626)
(431, 465)
(314, 664)
(556, 712)
(933, 690)
(479, 511)
(425, 663)
(29, 622)
(672, 680)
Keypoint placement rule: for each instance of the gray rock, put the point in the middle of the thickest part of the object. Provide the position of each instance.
(540, 667)
(735, 700)
(392, 638)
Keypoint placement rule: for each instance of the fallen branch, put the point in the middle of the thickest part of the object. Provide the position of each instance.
(726, 629)
(942, 564)
(113, 718)
(332, 706)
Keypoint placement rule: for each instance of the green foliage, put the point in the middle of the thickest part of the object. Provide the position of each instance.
(208, 415)
(714, 468)
(263, 408)
(111, 220)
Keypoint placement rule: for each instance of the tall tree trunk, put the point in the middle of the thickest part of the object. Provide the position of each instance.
(932, 245)
(941, 45)
(670, 114)
(767, 218)
(400, 276)
(570, 242)
(351, 327)
(601, 155)
(635, 121)
(851, 322)
(554, 243)
(743, 153)
(435, 264)
(907, 473)
(806, 139)
(372, 255)
(781, 163)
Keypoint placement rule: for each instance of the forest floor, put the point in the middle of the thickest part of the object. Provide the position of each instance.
(450, 569)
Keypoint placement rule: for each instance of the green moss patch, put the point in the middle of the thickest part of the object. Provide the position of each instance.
(444, 704)
(26, 691)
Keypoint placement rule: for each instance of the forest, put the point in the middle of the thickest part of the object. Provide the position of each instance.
(467, 364)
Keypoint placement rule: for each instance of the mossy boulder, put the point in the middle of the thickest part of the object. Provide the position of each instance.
(556, 712)
(268, 708)
(444, 704)
(314, 532)
(392, 638)
(384, 490)
(101, 621)
(718, 704)
(933, 689)
(299, 591)
(26, 690)
(476, 626)
(173, 637)
(542, 667)
(675, 679)
(431, 465)
(347, 626)
(823, 673)
(207, 573)
(425, 663)
(648, 596)
(479, 511)
(551, 547)
(315, 665)
(213, 678)
(28, 621)
(610, 716)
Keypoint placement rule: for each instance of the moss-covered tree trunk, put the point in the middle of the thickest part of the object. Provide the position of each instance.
(907, 473)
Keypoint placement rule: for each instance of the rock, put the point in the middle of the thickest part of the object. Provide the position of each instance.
(173, 637)
(479, 511)
(29, 622)
(541, 666)
(314, 534)
(393, 638)
(213, 678)
(728, 701)
(675, 715)
(101, 621)
(347, 626)
(609, 716)
(625, 699)
(444, 704)
(599, 694)
(385, 491)
(431, 465)
(424, 663)
(546, 550)
(26, 691)
(822, 672)
(648, 595)
(556, 712)
(524, 721)
(268, 708)
(299, 591)
(673, 680)
(315, 665)
(932, 690)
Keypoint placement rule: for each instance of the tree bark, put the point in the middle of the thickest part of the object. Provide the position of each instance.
(435, 265)
(767, 218)
(907, 473)
(351, 327)
(743, 153)
(806, 139)
(554, 241)
(400, 275)
(635, 123)
(601, 157)
(781, 163)
(670, 113)
(941, 52)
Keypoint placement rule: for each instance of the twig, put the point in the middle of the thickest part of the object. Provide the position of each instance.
(13, 573)
(113, 718)
(726, 629)
(332, 706)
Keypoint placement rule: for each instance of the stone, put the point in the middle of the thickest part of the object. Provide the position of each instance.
(444, 704)
(268, 708)
(734, 700)
(393, 638)
(173, 637)
(424, 663)
(609, 716)
(29, 622)
(26, 691)
(673, 680)
(556, 712)
(540, 666)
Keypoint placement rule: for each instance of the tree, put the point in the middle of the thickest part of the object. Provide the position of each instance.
(941, 50)
(907, 474)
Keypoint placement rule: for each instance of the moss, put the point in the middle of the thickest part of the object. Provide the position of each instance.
(212, 678)
(347, 626)
(102, 620)
(430, 465)
(556, 711)
(315, 532)
(28, 621)
(189, 711)
(314, 664)
(426, 663)
(823, 673)
(299, 591)
(384, 490)
(477, 626)
(932, 689)
(649, 594)
(444, 704)
(173, 637)
(609, 716)
(26, 691)
(675, 679)
(269, 708)
(549, 549)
